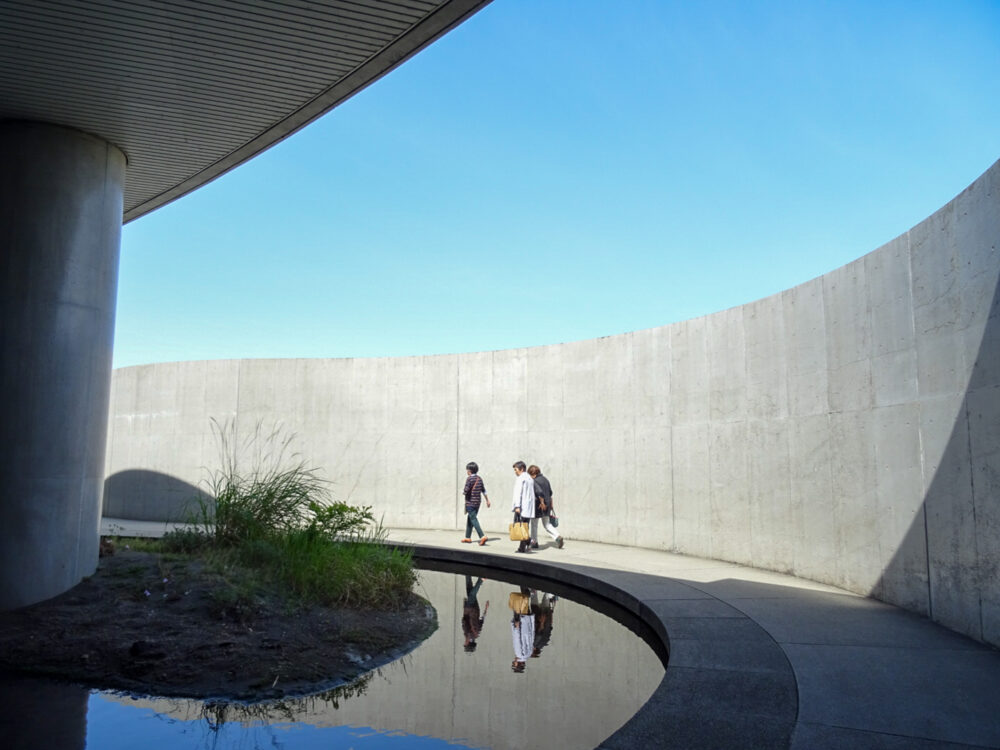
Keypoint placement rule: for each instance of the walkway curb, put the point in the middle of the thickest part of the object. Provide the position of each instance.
(728, 705)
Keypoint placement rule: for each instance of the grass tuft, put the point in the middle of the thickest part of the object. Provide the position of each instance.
(272, 515)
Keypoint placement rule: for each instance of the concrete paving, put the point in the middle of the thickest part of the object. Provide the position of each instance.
(760, 659)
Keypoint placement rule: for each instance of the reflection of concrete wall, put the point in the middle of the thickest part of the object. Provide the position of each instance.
(591, 678)
(845, 430)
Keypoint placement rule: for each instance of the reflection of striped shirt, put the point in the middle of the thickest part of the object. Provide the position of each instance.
(474, 489)
(472, 623)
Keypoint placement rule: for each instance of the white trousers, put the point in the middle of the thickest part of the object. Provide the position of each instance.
(546, 524)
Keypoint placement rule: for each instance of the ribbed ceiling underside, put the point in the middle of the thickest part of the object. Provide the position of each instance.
(190, 88)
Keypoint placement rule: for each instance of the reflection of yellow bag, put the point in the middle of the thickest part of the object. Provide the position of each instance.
(520, 603)
(519, 531)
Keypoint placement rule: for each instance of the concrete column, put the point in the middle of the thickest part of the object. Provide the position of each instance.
(60, 230)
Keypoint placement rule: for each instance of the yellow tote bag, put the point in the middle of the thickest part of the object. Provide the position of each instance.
(519, 531)
(520, 603)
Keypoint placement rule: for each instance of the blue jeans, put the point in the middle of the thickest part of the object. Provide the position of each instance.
(471, 522)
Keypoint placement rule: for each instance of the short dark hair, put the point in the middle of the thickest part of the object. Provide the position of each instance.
(519, 465)
(472, 466)
(534, 470)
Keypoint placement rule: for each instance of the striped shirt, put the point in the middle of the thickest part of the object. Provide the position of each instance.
(474, 490)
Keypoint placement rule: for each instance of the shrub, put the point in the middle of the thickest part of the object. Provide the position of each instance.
(184, 540)
(339, 520)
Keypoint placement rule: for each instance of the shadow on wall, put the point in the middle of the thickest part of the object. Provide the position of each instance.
(142, 495)
(948, 565)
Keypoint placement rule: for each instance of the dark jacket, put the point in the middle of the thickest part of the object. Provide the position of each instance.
(543, 490)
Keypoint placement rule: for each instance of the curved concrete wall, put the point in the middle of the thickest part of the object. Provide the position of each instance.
(846, 430)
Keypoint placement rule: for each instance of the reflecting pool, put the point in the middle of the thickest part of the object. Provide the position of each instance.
(512, 665)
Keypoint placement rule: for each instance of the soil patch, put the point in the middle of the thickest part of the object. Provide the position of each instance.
(150, 627)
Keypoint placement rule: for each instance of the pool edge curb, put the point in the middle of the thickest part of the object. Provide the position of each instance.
(693, 706)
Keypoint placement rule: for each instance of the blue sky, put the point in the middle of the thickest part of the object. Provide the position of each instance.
(559, 170)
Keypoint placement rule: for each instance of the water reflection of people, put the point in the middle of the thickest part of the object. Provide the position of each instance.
(522, 629)
(472, 622)
(542, 607)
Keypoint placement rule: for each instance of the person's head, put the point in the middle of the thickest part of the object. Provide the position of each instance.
(534, 471)
(519, 467)
(472, 467)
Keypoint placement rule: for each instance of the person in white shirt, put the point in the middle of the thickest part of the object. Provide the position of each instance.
(524, 500)
(522, 631)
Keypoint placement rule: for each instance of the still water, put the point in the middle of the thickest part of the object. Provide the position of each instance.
(584, 675)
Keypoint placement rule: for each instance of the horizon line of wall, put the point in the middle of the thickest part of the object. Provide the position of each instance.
(846, 430)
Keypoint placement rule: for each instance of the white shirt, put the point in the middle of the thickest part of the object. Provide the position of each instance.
(524, 495)
(523, 637)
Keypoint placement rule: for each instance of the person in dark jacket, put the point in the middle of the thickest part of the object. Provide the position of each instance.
(542, 607)
(543, 508)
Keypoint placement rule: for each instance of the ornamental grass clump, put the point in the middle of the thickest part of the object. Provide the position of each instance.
(263, 486)
(272, 513)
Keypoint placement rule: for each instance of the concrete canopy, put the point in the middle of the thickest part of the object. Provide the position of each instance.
(108, 110)
(189, 89)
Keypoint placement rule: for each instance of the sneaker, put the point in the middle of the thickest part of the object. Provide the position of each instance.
(534, 544)
(482, 540)
(466, 541)
(559, 542)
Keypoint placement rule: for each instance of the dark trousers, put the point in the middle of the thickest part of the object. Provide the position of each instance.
(524, 543)
(472, 522)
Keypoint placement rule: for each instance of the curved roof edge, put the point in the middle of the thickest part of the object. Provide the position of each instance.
(389, 57)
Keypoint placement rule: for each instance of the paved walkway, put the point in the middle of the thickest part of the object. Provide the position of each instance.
(759, 659)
